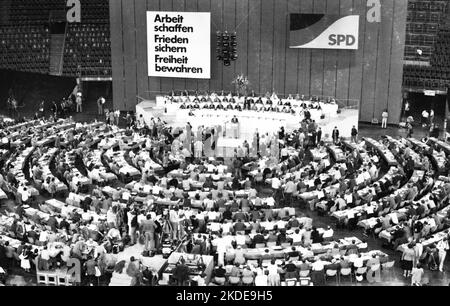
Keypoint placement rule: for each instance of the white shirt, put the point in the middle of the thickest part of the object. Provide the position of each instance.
(328, 233)
(65, 211)
(221, 168)
(318, 266)
(358, 262)
(226, 227)
(45, 255)
(261, 281)
(43, 236)
(273, 269)
(296, 237)
(442, 246)
(173, 216)
(25, 196)
(270, 201)
(276, 183)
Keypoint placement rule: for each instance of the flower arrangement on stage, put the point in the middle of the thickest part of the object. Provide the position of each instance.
(241, 82)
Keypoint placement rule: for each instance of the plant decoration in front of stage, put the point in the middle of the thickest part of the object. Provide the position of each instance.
(241, 82)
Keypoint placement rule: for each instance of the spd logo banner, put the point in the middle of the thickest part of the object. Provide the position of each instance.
(319, 31)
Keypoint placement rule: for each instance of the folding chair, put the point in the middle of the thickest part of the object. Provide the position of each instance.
(331, 273)
(346, 272)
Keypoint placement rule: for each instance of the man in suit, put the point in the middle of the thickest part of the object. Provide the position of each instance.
(148, 228)
(319, 135)
(335, 135)
(354, 134)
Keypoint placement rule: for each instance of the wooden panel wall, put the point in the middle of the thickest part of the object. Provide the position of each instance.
(370, 76)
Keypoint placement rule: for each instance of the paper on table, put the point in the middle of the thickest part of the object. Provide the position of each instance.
(394, 218)
(126, 196)
(348, 198)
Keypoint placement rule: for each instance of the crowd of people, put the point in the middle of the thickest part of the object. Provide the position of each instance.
(94, 192)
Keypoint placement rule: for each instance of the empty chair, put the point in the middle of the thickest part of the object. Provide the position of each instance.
(248, 280)
(388, 266)
(304, 273)
(234, 280)
(359, 273)
(331, 273)
(346, 272)
(291, 282)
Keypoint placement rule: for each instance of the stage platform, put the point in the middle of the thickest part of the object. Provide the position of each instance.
(249, 121)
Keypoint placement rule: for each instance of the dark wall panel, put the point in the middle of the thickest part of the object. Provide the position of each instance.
(129, 49)
(254, 43)
(370, 61)
(140, 8)
(266, 72)
(280, 35)
(396, 68)
(384, 52)
(317, 56)
(343, 59)
(241, 65)
(115, 13)
(304, 56)
(229, 24)
(292, 55)
(330, 58)
(371, 75)
(216, 67)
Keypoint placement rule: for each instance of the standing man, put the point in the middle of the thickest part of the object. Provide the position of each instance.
(442, 247)
(431, 116)
(319, 135)
(117, 116)
(407, 107)
(335, 135)
(100, 102)
(384, 119)
(148, 227)
(198, 149)
(41, 109)
(174, 220)
(235, 122)
(79, 102)
(425, 116)
(354, 135)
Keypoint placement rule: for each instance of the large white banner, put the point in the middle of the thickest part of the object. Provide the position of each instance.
(179, 44)
(317, 31)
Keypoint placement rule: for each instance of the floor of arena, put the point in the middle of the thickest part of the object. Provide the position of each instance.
(393, 278)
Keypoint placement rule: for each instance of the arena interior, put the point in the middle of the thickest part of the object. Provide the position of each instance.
(224, 143)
